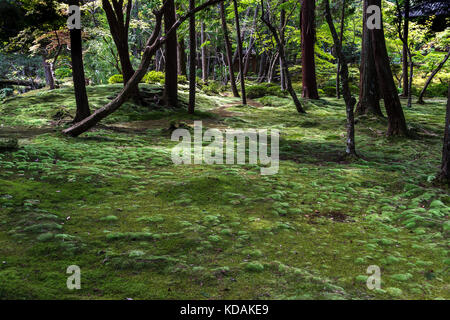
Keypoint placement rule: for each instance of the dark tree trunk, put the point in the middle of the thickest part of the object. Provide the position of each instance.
(338, 85)
(308, 61)
(430, 78)
(181, 55)
(192, 58)
(405, 92)
(171, 65)
(280, 46)
(229, 50)
(79, 81)
(283, 40)
(444, 174)
(240, 55)
(349, 99)
(396, 118)
(369, 98)
(119, 25)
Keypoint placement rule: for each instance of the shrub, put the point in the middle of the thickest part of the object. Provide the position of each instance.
(154, 77)
(117, 78)
(213, 87)
(262, 90)
(63, 72)
(182, 79)
(6, 92)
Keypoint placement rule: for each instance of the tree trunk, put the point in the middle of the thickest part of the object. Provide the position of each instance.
(396, 118)
(152, 45)
(79, 81)
(192, 59)
(369, 98)
(49, 75)
(229, 51)
(338, 85)
(280, 46)
(283, 41)
(349, 99)
(204, 53)
(308, 61)
(171, 65)
(240, 55)
(430, 78)
(262, 67)
(405, 92)
(119, 25)
(444, 174)
(181, 56)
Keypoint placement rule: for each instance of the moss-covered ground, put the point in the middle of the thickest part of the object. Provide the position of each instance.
(112, 202)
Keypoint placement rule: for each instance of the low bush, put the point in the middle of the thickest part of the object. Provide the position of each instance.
(262, 90)
(117, 78)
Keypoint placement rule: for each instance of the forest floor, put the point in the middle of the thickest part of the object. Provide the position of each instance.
(112, 202)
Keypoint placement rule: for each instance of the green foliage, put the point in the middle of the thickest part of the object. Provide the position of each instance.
(64, 72)
(117, 78)
(154, 77)
(213, 87)
(264, 89)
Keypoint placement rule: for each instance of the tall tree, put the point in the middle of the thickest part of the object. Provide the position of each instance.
(204, 53)
(409, 62)
(265, 17)
(308, 40)
(388, 89)
(171, 71)
(153, 44)
(283, 42)
(349, 99)
(228, 50)
(239, 50)
(79, 81)
(444, 174)
(430, 78)
(119, 24)
(338, 85)
(181, 55)
(405, 55)
(369, 98)
(192, 58)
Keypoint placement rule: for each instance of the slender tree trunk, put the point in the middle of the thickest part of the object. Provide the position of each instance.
(369, 97)
(181, 56)
(338, 85)
(262, 67)
(239, 45)
(405, 65)
(430, 78)
(308, 61)
(289, 87)
(349, 99)
(171, 65)
(192, 58)
(396, 117)
(444, 174)
(204, 53)
(49, 75)
(229, 51)
(79, 81)
(283, 41)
